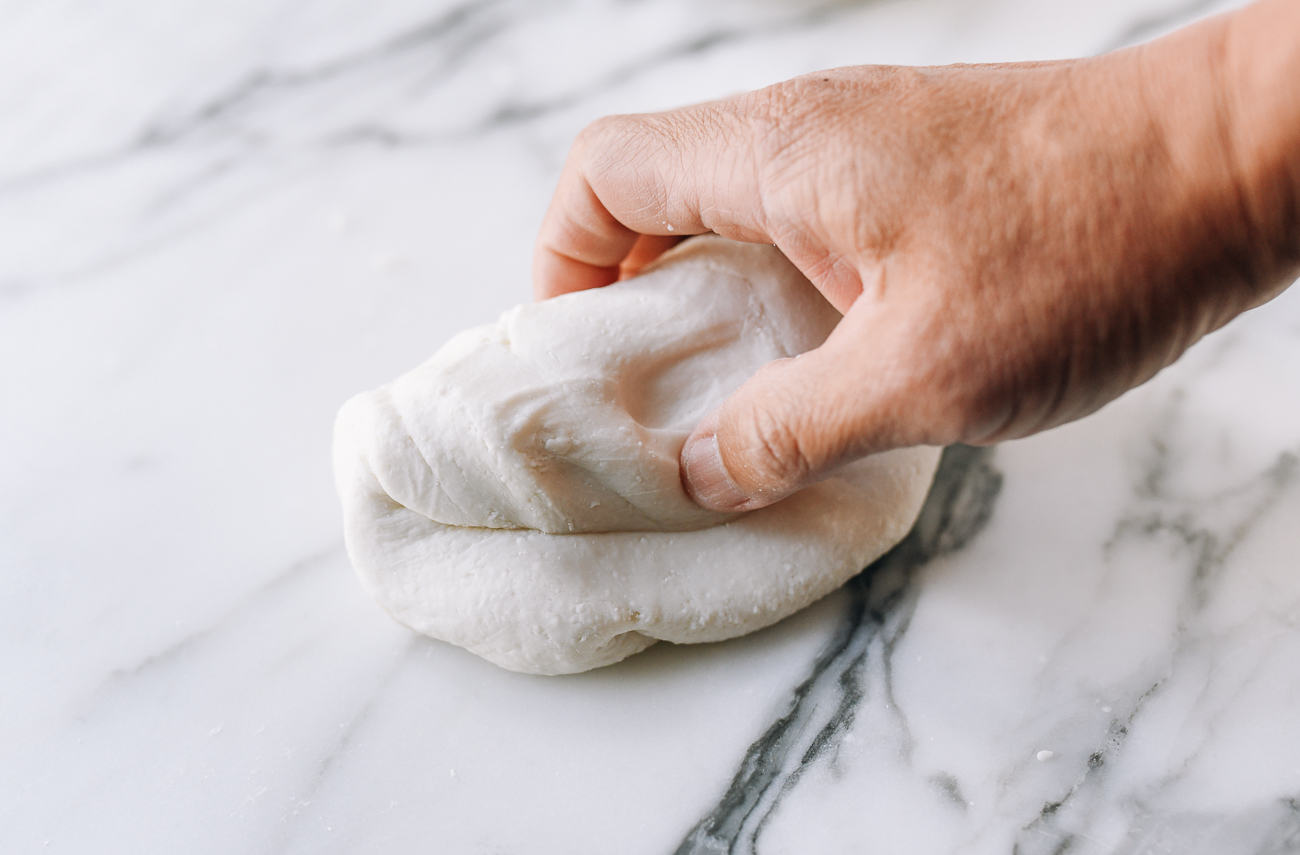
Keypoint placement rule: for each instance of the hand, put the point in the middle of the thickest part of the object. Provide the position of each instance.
(1012, 246)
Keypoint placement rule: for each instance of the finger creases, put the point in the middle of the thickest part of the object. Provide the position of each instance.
(664, 175)
(581, 243)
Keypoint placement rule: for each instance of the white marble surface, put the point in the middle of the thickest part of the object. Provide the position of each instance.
(220, 220)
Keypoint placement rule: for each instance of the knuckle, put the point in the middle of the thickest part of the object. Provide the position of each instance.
(594, 142)
(772, 116)
(627, 143)
(601, 130)
(795, 129)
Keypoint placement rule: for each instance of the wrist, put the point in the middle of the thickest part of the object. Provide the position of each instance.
(1228, 103)
(1260, 83)
(1201, 230)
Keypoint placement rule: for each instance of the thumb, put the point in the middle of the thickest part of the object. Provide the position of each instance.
(797, 420)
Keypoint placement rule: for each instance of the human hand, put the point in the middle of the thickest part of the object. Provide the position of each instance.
(1012, 246)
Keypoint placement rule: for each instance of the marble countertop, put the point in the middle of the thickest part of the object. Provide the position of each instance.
(221, 220)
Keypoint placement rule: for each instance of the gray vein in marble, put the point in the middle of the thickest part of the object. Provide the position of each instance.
(1272, 829)
(1269, 830)
(233, 138)
(297, 571)
(1209, 547)
(441, 45)
(1062, 824)
(824, 705)
(13, 288)
(458, 32)
(347, 735)
(462, 28)
(223, 132)
(1044, 836)
(513, 113)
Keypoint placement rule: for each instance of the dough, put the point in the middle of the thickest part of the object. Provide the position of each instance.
(518, 494)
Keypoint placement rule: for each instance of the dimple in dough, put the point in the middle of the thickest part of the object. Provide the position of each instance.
(519, 494)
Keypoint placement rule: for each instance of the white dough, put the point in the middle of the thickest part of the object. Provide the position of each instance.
(519, 495)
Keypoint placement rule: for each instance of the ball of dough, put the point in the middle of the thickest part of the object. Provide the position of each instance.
(519, 493)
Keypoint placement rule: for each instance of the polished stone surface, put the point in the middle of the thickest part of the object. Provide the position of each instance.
(222, 220)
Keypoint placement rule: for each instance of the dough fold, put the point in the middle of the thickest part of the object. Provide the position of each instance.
(518, 494)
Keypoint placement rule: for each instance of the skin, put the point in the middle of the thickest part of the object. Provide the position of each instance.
(1012, 246)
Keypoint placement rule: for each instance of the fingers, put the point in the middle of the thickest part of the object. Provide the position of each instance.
(581, 243)
(797, 420)
(646, 249)
(633, 185)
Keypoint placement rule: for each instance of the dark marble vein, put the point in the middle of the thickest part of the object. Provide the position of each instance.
(1047, 834)
(824, 705)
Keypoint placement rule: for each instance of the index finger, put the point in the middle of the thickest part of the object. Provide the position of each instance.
(669, 174)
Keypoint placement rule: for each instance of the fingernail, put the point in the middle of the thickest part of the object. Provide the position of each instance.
(706, 479)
